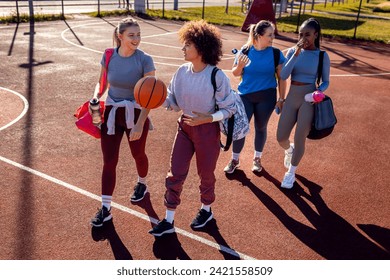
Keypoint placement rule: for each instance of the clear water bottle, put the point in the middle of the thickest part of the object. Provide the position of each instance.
(94, 104)
(237, 54)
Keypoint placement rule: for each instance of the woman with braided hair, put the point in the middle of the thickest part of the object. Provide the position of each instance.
(298, 110)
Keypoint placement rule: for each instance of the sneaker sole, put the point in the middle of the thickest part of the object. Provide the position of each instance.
(136, 200)
(172, 230)
(202, 225)
(100, 225)
(230, 172)
(257, 170)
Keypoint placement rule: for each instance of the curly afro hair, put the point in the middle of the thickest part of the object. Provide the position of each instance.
(206, 38)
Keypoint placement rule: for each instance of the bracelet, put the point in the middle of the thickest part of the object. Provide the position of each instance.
(281, 100)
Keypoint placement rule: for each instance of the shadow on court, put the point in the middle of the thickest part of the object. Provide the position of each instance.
(168, 247)
(332, 236)
(108, 232)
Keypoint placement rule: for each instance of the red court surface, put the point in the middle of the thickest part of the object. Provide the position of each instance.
(50, 171)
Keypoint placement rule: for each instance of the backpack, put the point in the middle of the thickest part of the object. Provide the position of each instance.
(237, 126)
(324, 119)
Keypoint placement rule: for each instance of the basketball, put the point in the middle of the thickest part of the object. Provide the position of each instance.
(150, 92)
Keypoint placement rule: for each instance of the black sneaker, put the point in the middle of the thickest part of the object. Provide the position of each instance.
(161, 228)
(103, 215)
(202, 218)
(139, 192)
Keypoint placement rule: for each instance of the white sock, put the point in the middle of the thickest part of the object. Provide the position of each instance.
(206, 207)
(142, 180)
(106, 201)
(292, 169)
(290, 150)
(258, 154)
(236, 156)
(170, 215)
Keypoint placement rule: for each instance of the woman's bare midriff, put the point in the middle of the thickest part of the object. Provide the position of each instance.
(295, 83)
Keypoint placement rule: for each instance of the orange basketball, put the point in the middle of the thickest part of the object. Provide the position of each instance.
(150, 92)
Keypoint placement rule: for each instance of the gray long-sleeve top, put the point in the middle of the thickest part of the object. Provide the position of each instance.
(191, 91)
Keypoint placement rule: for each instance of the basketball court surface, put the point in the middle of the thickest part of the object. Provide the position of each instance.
(50, 172)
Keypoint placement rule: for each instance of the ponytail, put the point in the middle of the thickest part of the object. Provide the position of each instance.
(251, 37)
(115, 38)
(256, 30)
(121, 27)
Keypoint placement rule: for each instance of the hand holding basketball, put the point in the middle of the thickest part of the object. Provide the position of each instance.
(150, 92)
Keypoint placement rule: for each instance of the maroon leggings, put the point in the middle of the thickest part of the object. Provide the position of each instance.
(110, 145)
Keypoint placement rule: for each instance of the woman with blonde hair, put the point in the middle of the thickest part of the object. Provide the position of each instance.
(122, 114)
(257, 65)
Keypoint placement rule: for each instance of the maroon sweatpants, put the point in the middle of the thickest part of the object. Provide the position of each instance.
(203, 141)
(110, 145)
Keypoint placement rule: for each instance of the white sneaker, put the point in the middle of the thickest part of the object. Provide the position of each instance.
(288, 180)
(288, 156)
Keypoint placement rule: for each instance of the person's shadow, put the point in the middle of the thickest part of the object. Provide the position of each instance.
(332, 236)
(108, 232)
(146, 204)
(211, 228)
(168, 247)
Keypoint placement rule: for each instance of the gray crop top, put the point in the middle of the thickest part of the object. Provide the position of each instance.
(303, 68)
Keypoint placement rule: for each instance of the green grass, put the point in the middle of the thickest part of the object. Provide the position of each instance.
(26, 18)
(332, 25)
(383, 7)
(351, 6)
(215, 15)
(343, 27)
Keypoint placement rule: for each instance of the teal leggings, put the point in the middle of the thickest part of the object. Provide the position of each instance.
(296, 111)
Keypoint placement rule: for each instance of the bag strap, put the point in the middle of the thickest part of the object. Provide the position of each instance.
(103, 82)
(214, 83)
(319, 70)
(276, 57)
(229, 139)
(230, 128)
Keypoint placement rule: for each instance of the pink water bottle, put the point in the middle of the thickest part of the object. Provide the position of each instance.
(318, 96)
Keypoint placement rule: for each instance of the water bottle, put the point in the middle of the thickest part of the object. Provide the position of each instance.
(237, 54)
(94, 104)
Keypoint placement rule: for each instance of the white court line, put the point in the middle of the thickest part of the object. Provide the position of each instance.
(96, 51)
(126, 209)
(142, 42)
(25, 109)
(360, 75)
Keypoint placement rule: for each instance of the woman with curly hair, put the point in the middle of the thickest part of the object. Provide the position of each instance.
(192, 92)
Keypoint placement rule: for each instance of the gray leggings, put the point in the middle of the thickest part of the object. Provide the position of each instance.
(296, 111)
(260, 105)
